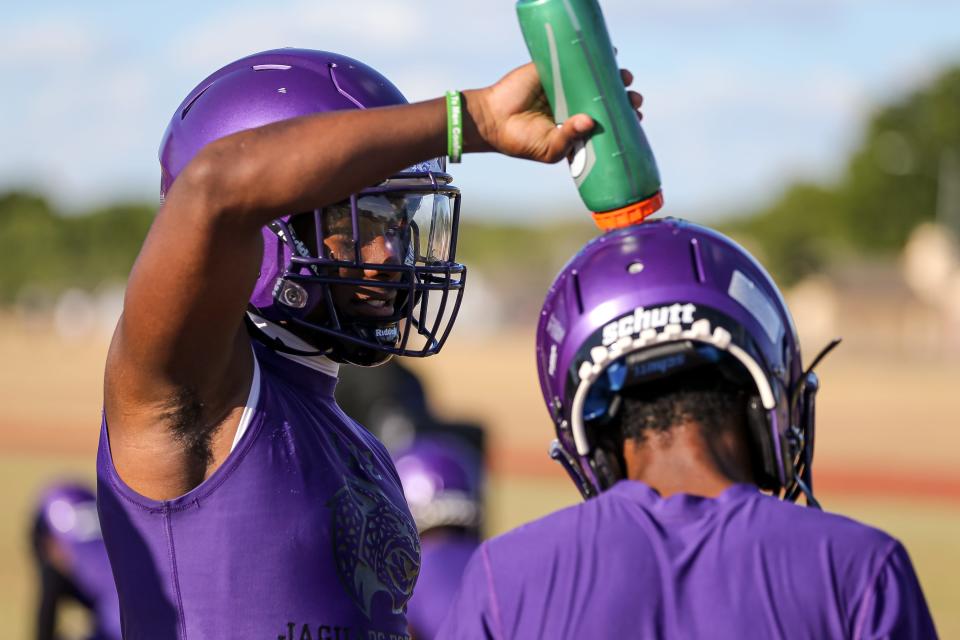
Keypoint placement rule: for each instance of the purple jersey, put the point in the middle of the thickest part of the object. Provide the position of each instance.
(68, 516)
(302, 532)
(630, 564)
(445, 558)
(90, 573)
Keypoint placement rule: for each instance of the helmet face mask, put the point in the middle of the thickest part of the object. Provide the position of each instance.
(373, 276)
(359, 280)
(651, 302)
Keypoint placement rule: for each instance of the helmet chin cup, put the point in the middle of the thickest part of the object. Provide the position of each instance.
(363, 355)
(347, 353)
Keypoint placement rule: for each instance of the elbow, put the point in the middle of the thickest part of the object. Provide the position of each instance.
(213, 180)
(199, 187)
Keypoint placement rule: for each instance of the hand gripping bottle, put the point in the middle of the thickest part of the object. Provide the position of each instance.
(614, 168)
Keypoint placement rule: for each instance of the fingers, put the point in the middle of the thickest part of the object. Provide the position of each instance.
(580, 123)
(562, 137)
(635, 98)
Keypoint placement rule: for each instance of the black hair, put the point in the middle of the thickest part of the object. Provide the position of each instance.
(715, 395)
(702, 395)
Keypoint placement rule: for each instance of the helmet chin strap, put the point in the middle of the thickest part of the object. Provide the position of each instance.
(558, 453)
(803, 477)
(807, 493)
(288, 345)
(266, 332)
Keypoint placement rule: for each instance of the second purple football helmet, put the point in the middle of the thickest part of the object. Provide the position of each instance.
(655, 299)
(441, 482)
(67, 512)
(311, 258)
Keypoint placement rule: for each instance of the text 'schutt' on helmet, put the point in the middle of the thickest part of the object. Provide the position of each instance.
(314, 262)
(441, 482)
(656, 299)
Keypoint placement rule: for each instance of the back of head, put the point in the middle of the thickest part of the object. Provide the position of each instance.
(712, 396)
(675, 321)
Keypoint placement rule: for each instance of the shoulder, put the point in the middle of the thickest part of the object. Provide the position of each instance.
(845, 553)
(498, 574)
(538, 544)
(776, 516)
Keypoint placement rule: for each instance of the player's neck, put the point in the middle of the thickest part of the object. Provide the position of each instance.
(682, 460)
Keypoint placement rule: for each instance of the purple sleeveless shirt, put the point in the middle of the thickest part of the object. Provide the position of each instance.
(302, 533)
(630, 564)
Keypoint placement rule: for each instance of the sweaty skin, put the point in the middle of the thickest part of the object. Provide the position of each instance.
(686, 460)
(180, 363)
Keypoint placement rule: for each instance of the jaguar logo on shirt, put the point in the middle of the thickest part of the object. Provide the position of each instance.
(376, 546)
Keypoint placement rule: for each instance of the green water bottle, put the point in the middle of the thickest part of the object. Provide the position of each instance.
(614, 169)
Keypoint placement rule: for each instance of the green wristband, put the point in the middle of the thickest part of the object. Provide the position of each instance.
(454, 126)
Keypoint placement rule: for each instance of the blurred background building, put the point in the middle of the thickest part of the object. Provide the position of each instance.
(824, 135)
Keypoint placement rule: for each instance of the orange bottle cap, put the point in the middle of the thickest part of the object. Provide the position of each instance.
(630, 214)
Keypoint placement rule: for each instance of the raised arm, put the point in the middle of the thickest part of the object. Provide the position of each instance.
(180, 364)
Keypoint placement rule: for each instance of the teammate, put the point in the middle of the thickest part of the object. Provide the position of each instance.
(441, 480)
(670, 366)
(389, 401)
(303, 225)
(72, 562)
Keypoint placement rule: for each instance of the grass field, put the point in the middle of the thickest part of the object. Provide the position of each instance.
(886, 446)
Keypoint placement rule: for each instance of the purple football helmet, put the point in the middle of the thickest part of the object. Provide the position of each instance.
(656, 299)
(441, 482)
(67, 512)
(315, 277)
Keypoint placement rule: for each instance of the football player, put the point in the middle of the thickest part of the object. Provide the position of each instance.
(72, 562)
(670, 366)
(441, 480)
(390, 401)
(303, 224)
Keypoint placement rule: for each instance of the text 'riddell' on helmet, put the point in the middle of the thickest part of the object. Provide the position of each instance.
(315, 294)
(653, 300)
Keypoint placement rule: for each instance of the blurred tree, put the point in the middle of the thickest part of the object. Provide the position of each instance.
(893, 179)
(797, 235)
(102, 245)
(28, 238)
(43, 250)
(890, 185)
(521, 260)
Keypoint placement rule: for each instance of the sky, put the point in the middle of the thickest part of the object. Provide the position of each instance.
(742, 96)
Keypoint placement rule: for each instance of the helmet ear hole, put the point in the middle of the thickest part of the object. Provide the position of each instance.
(762, 452)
